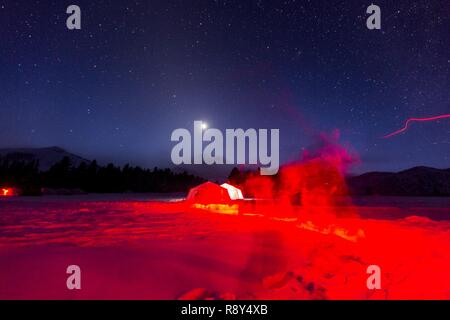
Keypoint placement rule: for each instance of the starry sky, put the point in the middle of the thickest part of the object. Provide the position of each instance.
(137, 70)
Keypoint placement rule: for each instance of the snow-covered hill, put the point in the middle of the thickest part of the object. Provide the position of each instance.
(46, 156)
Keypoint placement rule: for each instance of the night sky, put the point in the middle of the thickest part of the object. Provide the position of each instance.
(137, 70)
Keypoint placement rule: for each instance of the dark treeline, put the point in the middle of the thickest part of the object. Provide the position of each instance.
(91, 178)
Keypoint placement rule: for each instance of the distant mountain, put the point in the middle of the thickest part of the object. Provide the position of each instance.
(418, 181)
(47, 157)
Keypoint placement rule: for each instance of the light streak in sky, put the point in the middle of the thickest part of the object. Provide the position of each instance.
(408, 122)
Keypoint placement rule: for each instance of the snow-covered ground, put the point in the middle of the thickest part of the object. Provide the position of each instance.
(132, 248)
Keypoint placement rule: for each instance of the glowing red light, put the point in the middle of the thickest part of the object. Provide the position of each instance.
(6, 192)
(444, 116)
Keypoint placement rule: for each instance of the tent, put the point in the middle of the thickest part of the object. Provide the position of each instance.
(233, 192)
(208, 193)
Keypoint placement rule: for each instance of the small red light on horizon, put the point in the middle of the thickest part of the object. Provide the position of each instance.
(6, 192)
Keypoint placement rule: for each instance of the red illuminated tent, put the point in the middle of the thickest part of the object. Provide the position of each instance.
(208, 193)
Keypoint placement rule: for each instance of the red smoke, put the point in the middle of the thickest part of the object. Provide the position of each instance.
(313, 185)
